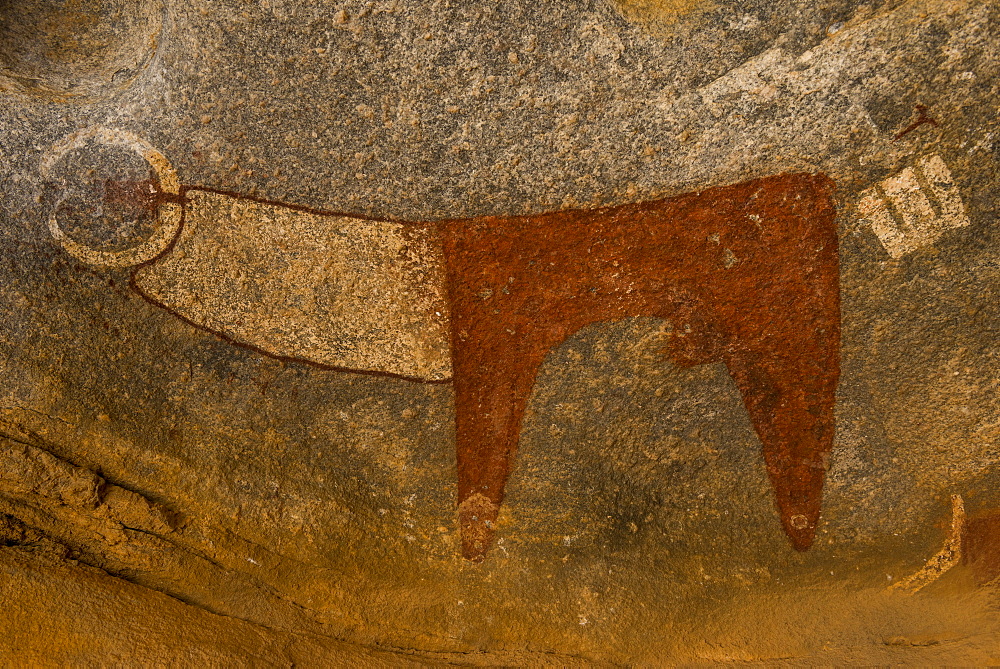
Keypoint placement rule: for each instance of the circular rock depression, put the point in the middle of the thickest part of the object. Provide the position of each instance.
(63, 50)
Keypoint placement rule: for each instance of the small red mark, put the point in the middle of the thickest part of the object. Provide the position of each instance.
(144, 195)
(922, 118)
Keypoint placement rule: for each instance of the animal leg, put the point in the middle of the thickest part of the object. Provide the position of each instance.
(790, 399)
(492, 386)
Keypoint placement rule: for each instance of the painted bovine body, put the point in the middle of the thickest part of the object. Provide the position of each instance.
(745, 274)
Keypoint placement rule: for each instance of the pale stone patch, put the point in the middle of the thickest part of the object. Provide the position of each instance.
(335, 290)
(945, 559)
(914, 208)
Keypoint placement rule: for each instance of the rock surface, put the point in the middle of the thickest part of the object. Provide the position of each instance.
(169, 496)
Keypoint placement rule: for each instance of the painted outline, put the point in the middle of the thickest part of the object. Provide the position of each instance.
(168, 213)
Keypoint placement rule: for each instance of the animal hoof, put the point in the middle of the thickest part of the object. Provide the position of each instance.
(477, 517)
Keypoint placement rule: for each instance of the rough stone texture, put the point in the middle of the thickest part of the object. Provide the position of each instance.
(168, 495)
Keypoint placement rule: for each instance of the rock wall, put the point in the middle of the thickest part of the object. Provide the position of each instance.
(239, 444)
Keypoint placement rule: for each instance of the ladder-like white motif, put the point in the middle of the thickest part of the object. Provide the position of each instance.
(913, 208)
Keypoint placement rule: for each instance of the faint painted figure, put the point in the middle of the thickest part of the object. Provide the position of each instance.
(745, 274)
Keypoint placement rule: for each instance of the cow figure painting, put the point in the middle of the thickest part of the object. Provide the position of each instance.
(746, 274)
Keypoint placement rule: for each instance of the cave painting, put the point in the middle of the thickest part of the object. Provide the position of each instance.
(745, 274)
(914, 208)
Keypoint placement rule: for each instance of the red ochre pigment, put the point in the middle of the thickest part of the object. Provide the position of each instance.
(745, 274)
